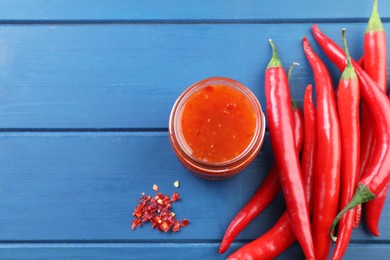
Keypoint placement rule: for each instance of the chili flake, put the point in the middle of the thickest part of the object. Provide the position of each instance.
(175, 196)
(157, 210)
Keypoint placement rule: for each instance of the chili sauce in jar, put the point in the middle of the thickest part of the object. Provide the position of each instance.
(216, 128)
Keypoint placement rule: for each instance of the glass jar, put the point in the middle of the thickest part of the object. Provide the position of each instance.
(216, 128)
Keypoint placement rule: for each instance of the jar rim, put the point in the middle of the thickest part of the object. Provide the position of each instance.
(218, 168)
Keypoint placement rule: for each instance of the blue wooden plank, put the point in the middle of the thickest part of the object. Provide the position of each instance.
(160, 251)
(194, 250)
(71, 186)
(186, 10)
(128, 76)
(84, 186)
(90, 66)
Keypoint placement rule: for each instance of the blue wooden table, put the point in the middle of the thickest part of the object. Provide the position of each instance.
(86, 88)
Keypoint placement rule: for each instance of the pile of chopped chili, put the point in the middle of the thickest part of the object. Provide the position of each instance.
(157, 210)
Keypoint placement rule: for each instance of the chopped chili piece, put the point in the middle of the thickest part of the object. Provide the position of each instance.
(176, 227)
(184, 222)
(175, 197)
(157, 210)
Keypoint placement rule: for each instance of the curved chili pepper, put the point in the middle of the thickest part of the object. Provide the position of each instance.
(375, 60)
(309, 151)
(280, 125)
(363, 158)
(348, 101)
(327, 180)
(374, 210)
(375, 50)
(266, 193)
(377, 176)
(281, 235)
(268, 190)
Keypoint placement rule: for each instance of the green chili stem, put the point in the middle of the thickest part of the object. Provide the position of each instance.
(362, 194)
(292, 66)
(374, 23)
(349, 72)
(274, 62)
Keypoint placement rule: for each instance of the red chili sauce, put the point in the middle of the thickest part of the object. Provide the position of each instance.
(218, 123)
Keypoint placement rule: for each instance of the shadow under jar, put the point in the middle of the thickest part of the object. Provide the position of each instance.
(216, 128)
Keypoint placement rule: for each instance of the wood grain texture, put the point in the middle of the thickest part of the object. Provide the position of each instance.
(160, 251)
(125, 251)
(128, 76)
(173, 10)
(77, 187)
(74, 186)
(86, 88)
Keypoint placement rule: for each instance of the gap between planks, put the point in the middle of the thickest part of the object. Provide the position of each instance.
(186, 21)
(136, 243)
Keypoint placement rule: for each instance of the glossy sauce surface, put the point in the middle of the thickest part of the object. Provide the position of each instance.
(218, 123)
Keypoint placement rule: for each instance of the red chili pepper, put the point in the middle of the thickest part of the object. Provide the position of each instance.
(281, 235)
(348, 101)
(268, 190)
(327, 180)
(373, 211)
(375, 50)
(375, 60)
(366, 147)
(363, 158)
(280, 125)
(266, 193)
(377, 176)
(309, 152)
